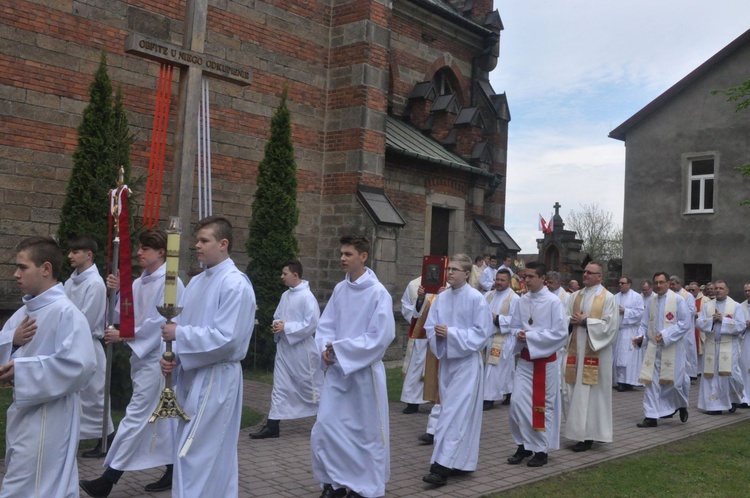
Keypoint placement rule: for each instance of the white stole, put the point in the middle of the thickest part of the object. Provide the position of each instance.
(725, 343)
(666, 374)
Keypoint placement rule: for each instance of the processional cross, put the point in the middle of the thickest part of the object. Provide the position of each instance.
(193, 64)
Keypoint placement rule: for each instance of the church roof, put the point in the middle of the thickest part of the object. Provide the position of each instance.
(655, 105)
(495, 236)
(447, 11)
(405, 140)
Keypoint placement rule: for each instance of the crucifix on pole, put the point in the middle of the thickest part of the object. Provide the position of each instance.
(193, 64)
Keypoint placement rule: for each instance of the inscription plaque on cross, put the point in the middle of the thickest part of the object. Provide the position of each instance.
(193, 65)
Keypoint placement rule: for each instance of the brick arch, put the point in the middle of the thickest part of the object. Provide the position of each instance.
(446, 62)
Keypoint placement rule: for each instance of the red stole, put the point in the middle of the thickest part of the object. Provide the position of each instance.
(539, 388)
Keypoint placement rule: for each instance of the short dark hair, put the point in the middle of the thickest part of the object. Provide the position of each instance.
(361, 244)
(83, 243)
(493, 257)
(666, 277)
(538, 268)
(221, 227)
(627, 279)
(478, 259)
(294, 267)
(42, 250)
(504, 271)
(153, 238)
(646, 282)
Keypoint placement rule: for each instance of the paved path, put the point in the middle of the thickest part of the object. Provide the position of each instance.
(281, 467)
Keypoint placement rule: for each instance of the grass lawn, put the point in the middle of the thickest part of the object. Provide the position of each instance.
(714, 463)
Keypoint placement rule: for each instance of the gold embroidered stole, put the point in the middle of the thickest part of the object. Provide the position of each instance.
(666, 373)
(590, 375)
(416, 331)
(493, 358)
(700, 337)
(431, 364)
(725, 343)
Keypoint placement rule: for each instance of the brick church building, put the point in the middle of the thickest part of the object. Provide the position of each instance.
(398, 133)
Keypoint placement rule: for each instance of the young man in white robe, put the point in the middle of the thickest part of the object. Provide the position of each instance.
(487, 280)
(47, 370)
(412, 304)
(628, 357)
(296, 376)
(86, 289)
(210, 337)
(507, 265)
(664, 323)
(588, 361)
(458, 327)
(722, 385)
(349, 442)
(139, 444)
(691, 352)
(745, 348)
(500, 363)
(541, 330)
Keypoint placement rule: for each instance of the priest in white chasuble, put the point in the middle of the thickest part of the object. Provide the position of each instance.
(587, 389)
(628, 357)
(540, 327)
(210, 339)
(350, 440)
(722, 320)
(500, 364)
(691, 351)
(664, 323)
(458, 327)
(47, 356)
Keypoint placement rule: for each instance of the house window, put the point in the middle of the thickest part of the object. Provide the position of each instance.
(700, 273)
(700, 185)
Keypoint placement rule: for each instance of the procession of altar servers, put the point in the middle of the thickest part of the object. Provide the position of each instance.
(630, 339)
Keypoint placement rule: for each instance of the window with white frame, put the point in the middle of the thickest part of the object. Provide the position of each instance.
(700, 177)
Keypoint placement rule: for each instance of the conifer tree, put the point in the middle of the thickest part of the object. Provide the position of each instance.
(272, 241)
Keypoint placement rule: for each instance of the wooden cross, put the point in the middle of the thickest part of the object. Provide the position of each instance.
(193, 64)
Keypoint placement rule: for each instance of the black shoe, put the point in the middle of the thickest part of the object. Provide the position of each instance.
(671, 414)
(488, 405)
(100, 487)
(620, 388)
(411, 408)
(683, 415)
(436, 479)
(714, 412)
(96, 451)
(265, 433)
(329, 492)
(506, 401)
(540, 458)
(734, 408)
(519, 455)
(583, 445)
(427, 438)
(458, 472)
(647, 422)
(743, 406)
(163, 484)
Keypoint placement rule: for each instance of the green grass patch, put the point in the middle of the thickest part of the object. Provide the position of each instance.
(394, 382)
(250, 417)
(259, 375)
(713, 463)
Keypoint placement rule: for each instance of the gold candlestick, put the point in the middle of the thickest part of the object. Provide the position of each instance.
(168, 406)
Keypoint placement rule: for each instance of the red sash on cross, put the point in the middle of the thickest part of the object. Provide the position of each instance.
(539, 388)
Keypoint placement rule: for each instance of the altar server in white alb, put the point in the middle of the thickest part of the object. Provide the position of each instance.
(664, 324)
(722, 320)
(500, 364)
(349, 442)
(138, 444)
(211, 338)
(86, 289)
(541, 329)
(47, 356)
(412, 304)
(628, 357)
(588, 361)
(487, 280)
(458, 327)
(296, 376)
(745, 348)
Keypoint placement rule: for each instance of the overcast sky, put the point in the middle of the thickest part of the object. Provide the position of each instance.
(573, 70)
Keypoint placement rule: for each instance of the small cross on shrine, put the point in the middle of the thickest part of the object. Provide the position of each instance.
(193, 64)
(126, 304)
(557, 207)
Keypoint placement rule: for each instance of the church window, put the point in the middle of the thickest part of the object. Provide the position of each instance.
(697, 272)
(701, 172)
(443, 84)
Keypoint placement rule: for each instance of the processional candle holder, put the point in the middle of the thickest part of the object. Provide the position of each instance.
(168, 406)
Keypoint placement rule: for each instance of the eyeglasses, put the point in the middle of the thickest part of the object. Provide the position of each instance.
(586, 272)
(450, 269)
